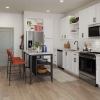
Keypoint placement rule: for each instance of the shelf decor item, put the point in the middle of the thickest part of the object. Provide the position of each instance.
(77, 19)
(29, 23)
(42, 70)
(72, 20)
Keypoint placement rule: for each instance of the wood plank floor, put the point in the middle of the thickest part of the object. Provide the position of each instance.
(44, 89)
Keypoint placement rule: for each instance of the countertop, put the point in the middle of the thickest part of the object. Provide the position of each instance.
(34, 52)
(65, 49)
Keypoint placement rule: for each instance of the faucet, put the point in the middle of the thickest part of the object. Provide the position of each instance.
(77, 45)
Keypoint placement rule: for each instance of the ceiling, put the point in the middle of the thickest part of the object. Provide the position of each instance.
(18, 6)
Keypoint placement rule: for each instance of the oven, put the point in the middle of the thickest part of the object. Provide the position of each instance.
(87, 67)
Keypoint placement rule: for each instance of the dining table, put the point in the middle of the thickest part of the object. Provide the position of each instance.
(37, 58)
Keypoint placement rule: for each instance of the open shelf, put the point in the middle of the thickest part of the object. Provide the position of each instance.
(74, 32)
(75, 23)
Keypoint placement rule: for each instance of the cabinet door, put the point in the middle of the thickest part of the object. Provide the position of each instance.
(62, 28)
(97, 13)
(69, 61)
(55, 56)
(98, 70)
(91, 15)
(98, 74)
(83, 24)
(48, 28)
(65, 60)
(76, 64)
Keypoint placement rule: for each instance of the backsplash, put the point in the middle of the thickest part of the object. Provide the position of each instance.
(94, 42)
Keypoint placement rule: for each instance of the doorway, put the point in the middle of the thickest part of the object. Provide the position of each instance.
(6, 42)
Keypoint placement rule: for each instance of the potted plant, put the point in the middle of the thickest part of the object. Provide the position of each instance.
(29, 23)
(37, 45)
(72, 20)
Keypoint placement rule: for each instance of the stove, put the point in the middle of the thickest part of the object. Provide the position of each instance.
(87, 67)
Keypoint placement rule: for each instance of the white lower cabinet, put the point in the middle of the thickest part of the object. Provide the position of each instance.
(98, 70)
(65, 60)
(55, 56)
(71, 62)
(75, 64)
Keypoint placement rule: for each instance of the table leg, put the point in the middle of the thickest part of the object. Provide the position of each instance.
(30, 57)
(51, 67)
(23, 55)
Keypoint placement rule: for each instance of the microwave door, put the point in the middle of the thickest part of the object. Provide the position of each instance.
(94, 31)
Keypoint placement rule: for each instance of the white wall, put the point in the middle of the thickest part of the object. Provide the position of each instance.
(14, 21)
(40, 15)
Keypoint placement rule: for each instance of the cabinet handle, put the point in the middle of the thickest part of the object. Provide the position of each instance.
(82, 34)
(66, 53)
(64, 36)
(94, 19)
(74, 59)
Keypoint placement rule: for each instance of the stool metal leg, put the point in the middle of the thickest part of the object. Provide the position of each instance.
(10, 74)
(8, 66)
(24, 73)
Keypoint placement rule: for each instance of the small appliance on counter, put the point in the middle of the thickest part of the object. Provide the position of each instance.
(67, 45)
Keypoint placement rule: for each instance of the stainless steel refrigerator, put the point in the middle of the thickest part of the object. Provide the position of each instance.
(32, 37)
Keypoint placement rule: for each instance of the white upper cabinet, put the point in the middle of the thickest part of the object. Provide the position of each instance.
(48, 28)
(63, 24)
(91, 15)
(65, 28)
(97, 13)
(94, 14)
(83, 23)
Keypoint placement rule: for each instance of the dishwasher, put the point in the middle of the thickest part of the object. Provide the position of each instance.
(60, 58)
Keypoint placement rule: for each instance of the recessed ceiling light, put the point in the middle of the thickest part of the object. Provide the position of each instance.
(48, 11)
(7, 7)
(61, 0)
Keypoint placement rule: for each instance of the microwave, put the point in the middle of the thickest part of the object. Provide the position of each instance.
(94, 31)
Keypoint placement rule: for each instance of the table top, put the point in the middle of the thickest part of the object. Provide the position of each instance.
(34, 52)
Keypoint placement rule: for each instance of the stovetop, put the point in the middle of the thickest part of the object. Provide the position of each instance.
(89, 53)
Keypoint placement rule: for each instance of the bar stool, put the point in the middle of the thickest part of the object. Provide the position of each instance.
(16, 62)
(9, 60)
